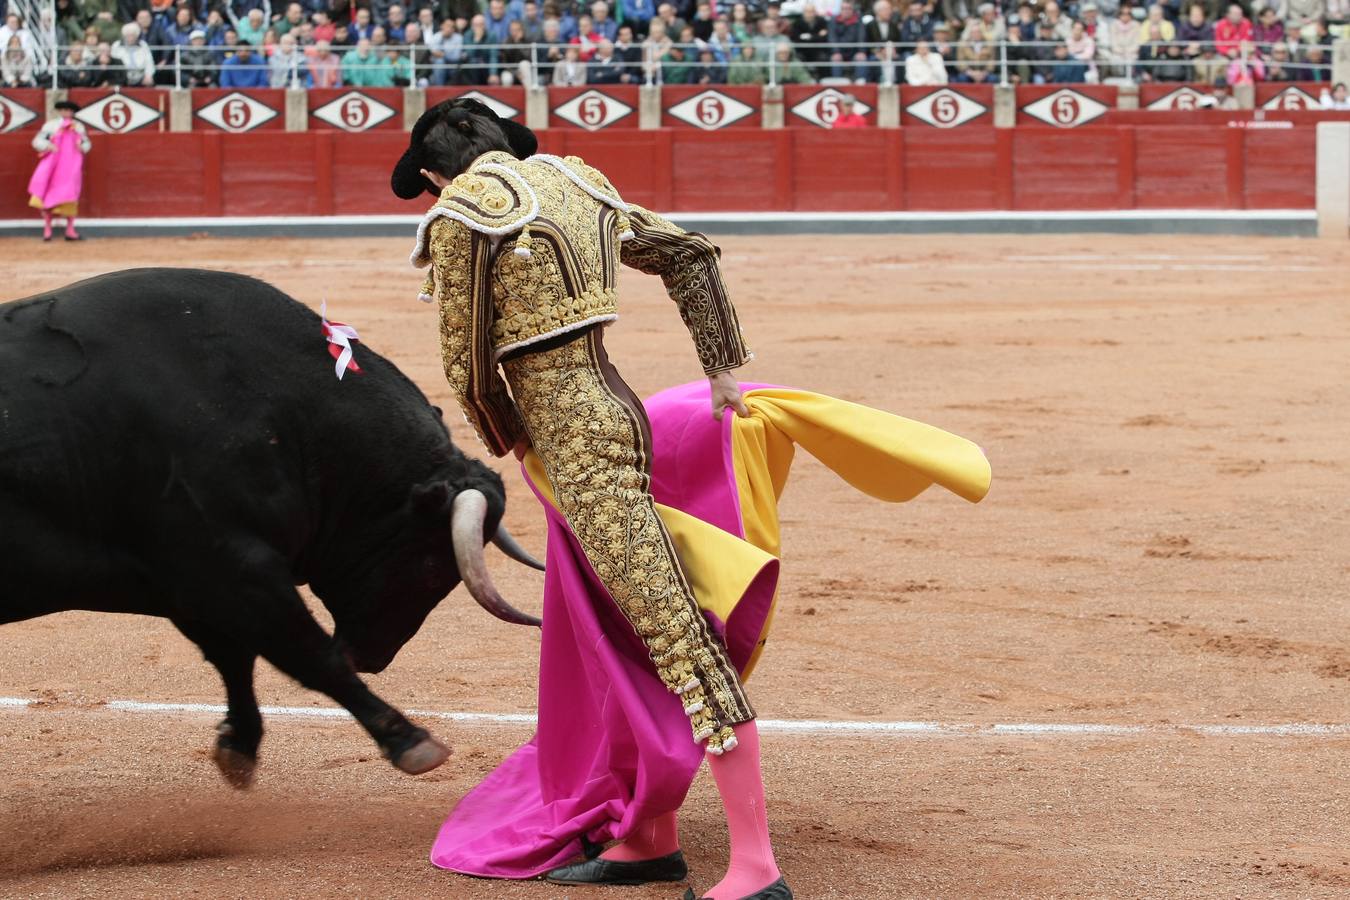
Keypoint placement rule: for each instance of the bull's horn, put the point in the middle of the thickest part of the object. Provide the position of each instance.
(466, 527)
(511, 547)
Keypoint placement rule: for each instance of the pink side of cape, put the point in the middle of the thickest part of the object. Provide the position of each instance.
(60, 173)
(613, 746)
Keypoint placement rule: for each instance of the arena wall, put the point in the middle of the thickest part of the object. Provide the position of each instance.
(974, 147)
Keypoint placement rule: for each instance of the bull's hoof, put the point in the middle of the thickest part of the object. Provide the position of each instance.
(237, 767)
(422, 757)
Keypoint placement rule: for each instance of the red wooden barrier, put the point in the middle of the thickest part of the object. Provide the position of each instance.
(594, 108)
(268, 172)
(22, 109)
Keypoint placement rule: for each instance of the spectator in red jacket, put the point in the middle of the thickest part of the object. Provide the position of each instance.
(1231, 31)
(848, 116)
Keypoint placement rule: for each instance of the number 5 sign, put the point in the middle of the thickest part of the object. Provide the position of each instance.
(117, 114)
(355, 110)
(1066, 108)
(592, 109)
(236, 112)
(709, 109)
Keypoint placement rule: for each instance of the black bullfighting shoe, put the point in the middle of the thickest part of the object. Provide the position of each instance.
(608, 871)
(776, 891)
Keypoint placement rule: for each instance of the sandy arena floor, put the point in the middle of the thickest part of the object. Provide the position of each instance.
(1167, 543)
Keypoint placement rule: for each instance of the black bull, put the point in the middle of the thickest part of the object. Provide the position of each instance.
(174, 442)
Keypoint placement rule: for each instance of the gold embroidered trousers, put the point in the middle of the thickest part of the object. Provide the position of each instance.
(592, 435)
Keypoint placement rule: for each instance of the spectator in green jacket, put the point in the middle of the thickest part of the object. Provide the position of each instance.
(396, 68)
(748, 69)
(362, 68)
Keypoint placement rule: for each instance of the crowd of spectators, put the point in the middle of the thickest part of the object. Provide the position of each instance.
(376, 43)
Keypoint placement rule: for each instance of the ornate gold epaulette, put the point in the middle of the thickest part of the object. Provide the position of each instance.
(593, 182)
(489, 198)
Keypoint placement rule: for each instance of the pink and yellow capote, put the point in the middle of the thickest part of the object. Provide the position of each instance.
(612, 747)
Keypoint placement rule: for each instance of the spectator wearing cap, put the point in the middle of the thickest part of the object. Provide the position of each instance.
(1220, 98)
(987, 28)
(849, 117)
(847, 28)
(942, 46)
(924, 68)
(809, 33)
(1095, 28)
(285, 66)
(199, 62)
(135, 56)
(1231, 31)
(244, 69)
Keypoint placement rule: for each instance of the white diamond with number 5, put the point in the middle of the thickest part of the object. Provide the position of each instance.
(14, 115)
(592, 110)
(1181, 98)
(504, 110)
(353, 111)
(236, 112)
(1292, 98)
(1065, 109)
(117, 114)
(823, 107)
(711, 110)
(946, 109)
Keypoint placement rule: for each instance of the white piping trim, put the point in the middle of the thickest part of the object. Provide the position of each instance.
(564, 329)
(581, 182)
(426, 298)
(438, 212)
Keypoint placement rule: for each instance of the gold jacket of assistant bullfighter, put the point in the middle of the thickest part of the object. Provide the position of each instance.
(523, 251)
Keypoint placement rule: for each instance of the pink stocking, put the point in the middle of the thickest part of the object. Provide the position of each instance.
(657, 837)
(46, 223)
(741, 785)
(70, 227)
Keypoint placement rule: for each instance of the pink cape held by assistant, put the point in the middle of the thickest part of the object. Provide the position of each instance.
(612, 747)
(59, 176)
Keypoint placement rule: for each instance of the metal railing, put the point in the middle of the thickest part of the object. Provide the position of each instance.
(536, 64)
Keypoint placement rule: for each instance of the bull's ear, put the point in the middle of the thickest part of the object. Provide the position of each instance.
(431, 499)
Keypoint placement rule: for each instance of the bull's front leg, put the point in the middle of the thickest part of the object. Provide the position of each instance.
(240, 732)
(311, 656)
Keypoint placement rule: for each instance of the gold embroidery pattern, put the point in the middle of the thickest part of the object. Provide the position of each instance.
(460, 258)
(688, 266)
(593, 447)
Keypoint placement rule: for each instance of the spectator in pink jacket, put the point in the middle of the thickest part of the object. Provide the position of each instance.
(1231, 31)
(1247, 66)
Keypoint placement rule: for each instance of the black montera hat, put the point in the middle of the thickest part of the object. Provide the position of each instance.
(66, 104)
(407, 180)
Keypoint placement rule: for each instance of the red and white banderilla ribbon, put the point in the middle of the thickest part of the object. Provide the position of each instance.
(339, 337)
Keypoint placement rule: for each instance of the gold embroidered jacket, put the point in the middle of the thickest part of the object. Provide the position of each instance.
(521, 251)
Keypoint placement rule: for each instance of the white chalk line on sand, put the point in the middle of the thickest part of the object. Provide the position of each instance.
(788, 726)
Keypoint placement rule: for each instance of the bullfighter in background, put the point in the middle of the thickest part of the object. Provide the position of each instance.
(56, 183)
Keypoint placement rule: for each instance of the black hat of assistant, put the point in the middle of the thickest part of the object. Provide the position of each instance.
(407, 180)
(66, 104)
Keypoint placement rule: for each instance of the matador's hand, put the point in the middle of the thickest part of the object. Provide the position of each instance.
(726, 392)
